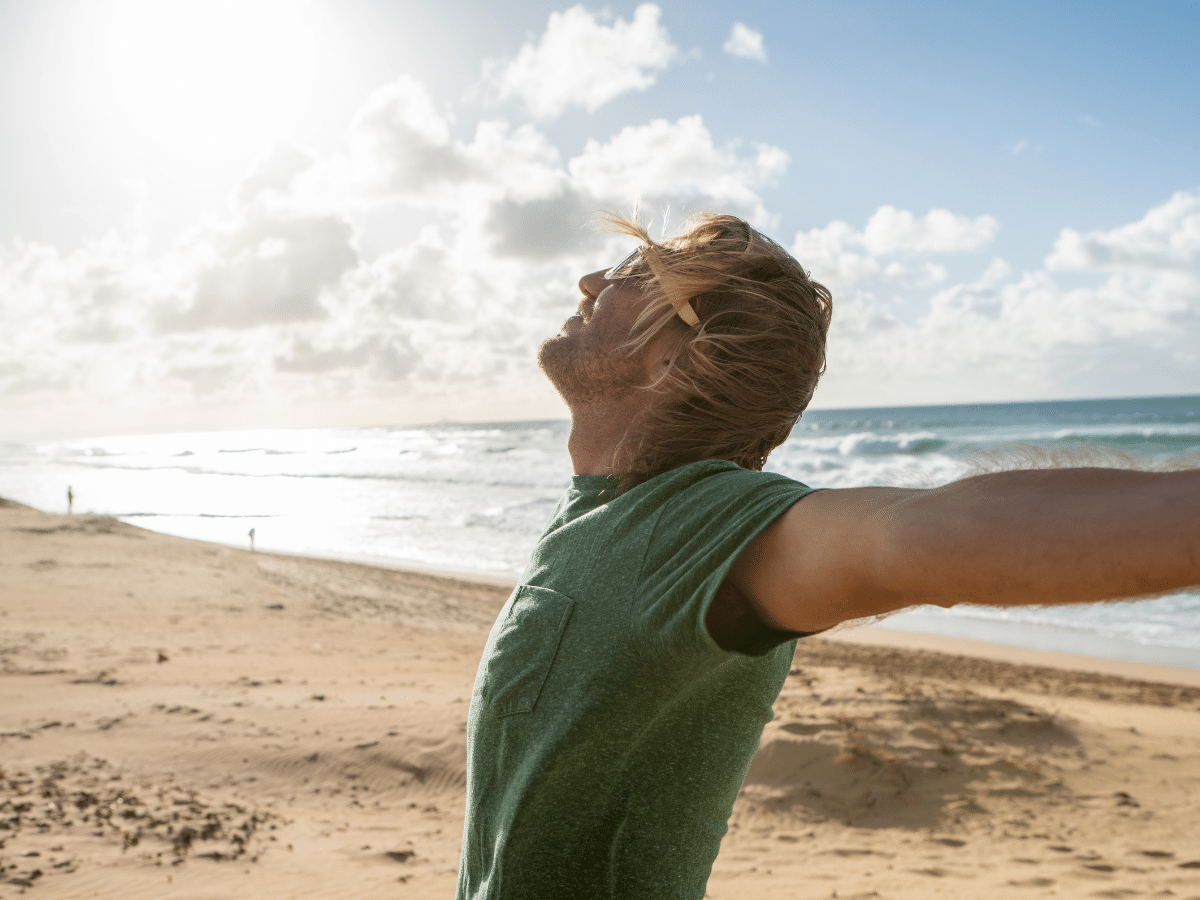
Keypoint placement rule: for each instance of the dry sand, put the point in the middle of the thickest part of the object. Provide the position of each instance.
(180, 719)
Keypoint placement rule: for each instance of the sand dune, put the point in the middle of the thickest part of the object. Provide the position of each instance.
(186, 720)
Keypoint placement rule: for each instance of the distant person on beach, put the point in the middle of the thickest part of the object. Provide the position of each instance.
(625, 685)
(70, 501)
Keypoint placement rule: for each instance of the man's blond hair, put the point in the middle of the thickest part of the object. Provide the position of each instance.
(739, 378)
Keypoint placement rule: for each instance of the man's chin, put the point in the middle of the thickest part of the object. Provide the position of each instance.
(549, 348)
(550, 352)
(557, 362)
(582, 376)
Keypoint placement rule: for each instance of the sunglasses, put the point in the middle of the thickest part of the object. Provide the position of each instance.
(634, 265)
(630, 266)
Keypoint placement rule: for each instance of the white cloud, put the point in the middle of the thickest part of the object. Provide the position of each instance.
(541, 229)
(840, 256)
(985, 341)
(664, 160)
(95, 295)
(273, 305)
(581, 62)
(420, 281)
(746, 43)
(515, 162)
(1000, 336)
(1166, 238)
(1004, 334)
(892, 230)
(401, 149)
(1034, 316)
(261, 270)
(827, 253)
(384, 359)
(274, 173)
(401, 142)
(509, 185)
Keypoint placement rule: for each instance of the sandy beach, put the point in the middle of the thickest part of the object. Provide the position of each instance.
(186, 720)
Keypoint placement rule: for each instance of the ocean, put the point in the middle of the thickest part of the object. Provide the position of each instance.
(474, 498)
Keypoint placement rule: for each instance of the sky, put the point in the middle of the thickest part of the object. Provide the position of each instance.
(305, 213)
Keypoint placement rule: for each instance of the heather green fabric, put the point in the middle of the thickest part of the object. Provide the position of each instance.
(608, 734)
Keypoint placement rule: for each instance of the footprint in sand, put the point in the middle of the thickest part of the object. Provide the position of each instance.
(1033, 882)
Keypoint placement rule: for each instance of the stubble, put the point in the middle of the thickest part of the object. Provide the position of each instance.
(584, 373)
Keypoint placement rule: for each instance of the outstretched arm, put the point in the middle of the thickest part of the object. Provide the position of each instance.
(1034, 537)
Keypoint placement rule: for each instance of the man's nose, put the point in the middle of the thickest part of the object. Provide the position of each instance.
(593, 283)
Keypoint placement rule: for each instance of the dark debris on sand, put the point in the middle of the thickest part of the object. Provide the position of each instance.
(83, 797)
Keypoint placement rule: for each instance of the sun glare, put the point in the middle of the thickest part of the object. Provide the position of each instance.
(205, 80)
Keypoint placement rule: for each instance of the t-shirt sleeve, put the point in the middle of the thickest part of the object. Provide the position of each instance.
(698, 536)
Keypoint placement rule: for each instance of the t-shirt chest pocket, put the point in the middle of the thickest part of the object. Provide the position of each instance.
(524, 649)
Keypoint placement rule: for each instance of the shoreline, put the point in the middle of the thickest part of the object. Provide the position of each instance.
(942, 638)
(875, 635)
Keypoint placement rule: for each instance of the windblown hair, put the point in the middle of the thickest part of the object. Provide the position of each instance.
(739, 380)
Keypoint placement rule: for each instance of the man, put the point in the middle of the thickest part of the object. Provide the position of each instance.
(625, 685)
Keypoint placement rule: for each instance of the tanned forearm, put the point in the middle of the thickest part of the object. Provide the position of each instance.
(1041, 537)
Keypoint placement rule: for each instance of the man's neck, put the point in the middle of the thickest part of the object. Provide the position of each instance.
(598, 429)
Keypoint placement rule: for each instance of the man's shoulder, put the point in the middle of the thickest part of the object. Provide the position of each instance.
(710, 494)
(711, 473)
(699, 490)
(708, 481)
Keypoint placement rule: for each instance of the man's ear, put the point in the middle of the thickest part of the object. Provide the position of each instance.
(659, 368)
(661, 352)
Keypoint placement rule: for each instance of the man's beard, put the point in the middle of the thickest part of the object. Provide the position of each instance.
(583, 374)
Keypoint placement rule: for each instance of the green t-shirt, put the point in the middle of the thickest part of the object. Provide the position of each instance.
(608, 734)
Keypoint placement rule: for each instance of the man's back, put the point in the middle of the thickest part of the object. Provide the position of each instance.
(609, 734)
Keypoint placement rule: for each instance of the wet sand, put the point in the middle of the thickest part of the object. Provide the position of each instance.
(181, 719)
